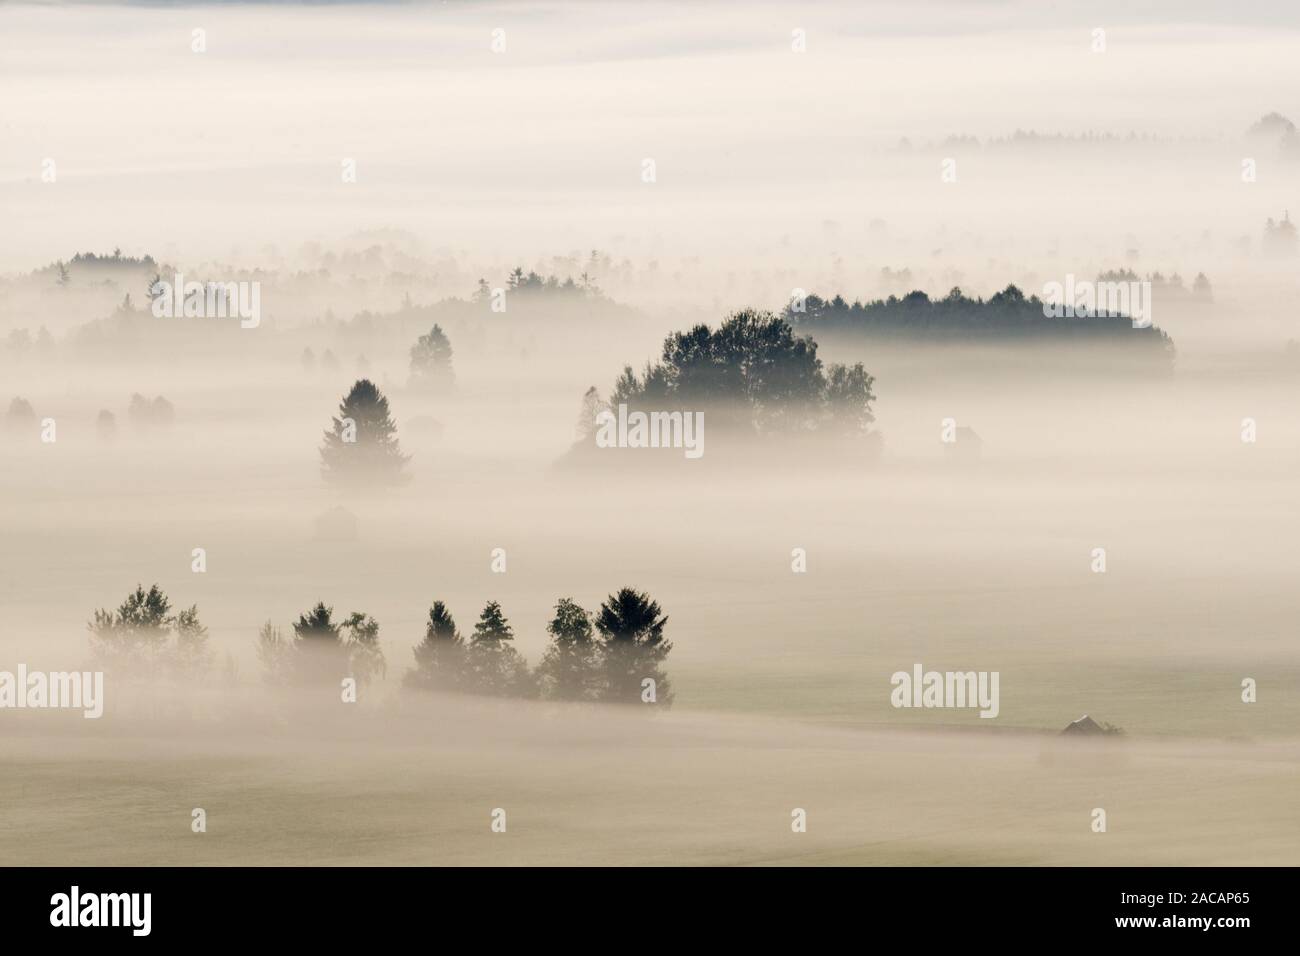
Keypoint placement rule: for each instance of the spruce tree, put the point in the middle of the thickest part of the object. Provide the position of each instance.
(494, 666)
(361, 448)
(440, 657)
(634, 648)
(320, 655)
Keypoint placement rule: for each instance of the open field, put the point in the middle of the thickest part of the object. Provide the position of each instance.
(498, 242)
(590, 788)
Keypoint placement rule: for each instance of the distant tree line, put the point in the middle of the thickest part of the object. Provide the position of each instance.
(1164, 288)
(615, 656)
(143, 411)
(1006, 316)
(533, 283)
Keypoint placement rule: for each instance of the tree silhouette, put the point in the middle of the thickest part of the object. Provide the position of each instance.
(1006, 316)
(431, 361)
(362, 447)
(20, 414)
(631, 627)
(138, 634)
(319, 652)
(144, 411)
(192, 654)
(323, 650)
(592, 405)
(274, 652)
(440, 657)
(365, 656)
(570, 668)
(494, 666)
(753, 373)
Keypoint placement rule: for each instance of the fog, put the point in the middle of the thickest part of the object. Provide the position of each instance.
(799, 572)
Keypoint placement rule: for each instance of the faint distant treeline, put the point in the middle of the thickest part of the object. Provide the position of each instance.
(752, 374)
(20, 417)
(1005, 317)
(617, 656)
(1273, 129)
(93, 262)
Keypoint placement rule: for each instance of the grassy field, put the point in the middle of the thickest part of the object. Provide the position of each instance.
(418, 785)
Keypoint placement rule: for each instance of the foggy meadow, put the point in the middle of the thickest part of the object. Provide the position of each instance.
(827, 230)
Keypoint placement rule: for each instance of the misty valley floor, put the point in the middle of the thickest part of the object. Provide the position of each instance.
(419, 787)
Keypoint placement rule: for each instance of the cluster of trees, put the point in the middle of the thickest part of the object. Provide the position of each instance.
(149, 411)
(533, 283)
(1006, 315)
(116, 260)
(615, 656)
(328, 361)
(1165, 288)
(322, 649)
(144, 634)
(90, 263)
(143, 411)
(755, 374)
